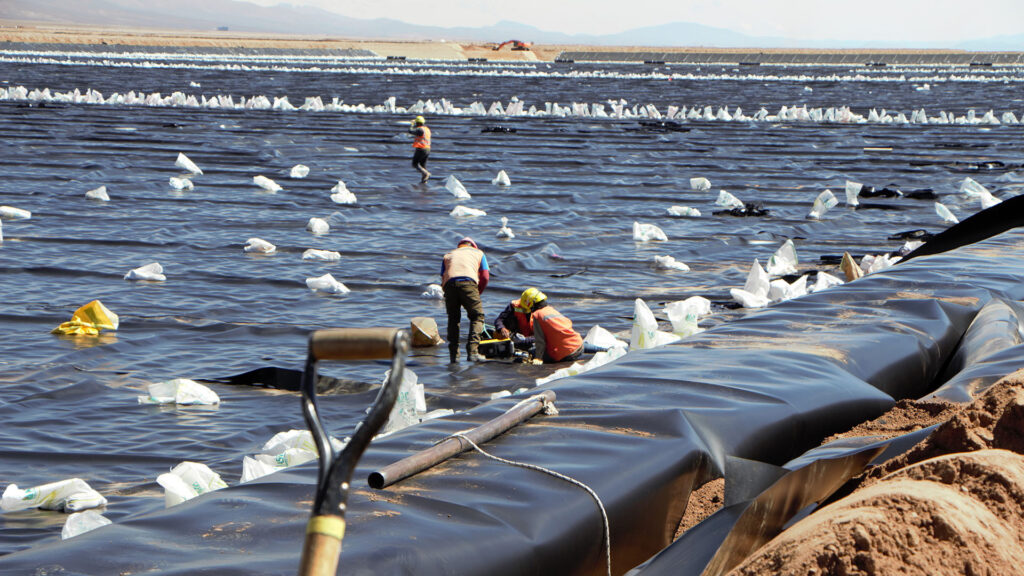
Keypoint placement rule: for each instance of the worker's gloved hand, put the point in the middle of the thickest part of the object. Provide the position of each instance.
(504, 333)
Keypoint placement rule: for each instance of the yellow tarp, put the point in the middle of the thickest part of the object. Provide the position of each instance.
(88, 321)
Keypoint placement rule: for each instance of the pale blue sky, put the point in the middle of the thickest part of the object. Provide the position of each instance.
(950, 21)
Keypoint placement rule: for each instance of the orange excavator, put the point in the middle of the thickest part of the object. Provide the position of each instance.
(516, 45)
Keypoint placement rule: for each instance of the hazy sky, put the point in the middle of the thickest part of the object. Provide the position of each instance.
(913, 20)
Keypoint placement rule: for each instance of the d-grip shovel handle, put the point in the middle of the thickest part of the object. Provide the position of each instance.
(326, 528)
(353, 343)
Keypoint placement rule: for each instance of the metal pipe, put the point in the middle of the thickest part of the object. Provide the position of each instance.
(442, 451)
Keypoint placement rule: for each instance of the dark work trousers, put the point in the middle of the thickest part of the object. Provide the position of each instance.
(459, 294)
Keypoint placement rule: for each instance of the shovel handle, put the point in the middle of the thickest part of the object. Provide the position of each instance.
(353, 343)
(322, 547)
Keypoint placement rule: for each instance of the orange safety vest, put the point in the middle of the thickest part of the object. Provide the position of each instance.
(524, 323)
(422, 140)
(559, 336)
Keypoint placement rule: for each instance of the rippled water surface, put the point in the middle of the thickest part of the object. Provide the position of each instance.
(578, 185)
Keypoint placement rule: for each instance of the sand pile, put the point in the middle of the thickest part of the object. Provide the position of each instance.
(954, 504)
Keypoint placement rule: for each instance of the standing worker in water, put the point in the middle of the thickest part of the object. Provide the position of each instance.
(421, 146)
(464, 275)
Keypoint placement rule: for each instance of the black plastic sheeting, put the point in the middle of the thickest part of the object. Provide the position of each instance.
(641, 432)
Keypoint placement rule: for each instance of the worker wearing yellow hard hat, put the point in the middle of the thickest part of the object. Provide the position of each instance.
(553, 335)
(421, 146)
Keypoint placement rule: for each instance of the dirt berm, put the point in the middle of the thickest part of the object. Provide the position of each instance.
(954, 504)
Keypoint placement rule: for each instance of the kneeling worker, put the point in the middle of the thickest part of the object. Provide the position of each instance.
(553, 335)
(514, 323)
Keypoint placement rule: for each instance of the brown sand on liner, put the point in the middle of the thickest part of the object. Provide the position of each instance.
(954, 504)
(904, 417)
(703, 502)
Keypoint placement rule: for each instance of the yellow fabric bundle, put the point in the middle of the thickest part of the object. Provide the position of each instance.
(88, 321)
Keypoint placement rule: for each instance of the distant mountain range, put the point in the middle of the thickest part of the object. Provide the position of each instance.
(288, 19)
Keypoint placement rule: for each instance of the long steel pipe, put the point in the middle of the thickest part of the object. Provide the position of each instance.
(442, 451)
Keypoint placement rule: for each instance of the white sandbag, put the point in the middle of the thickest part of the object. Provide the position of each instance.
(757, 280)
(180, 183)
(945, 214)
(501, 179)
(82, 522)
(70, 495)
(326, 284)
(645, 333)
(871, 264)
(648, 233)
(340, 194)
(180, 391)
(259, 246)
(824, 282)
(433, 292)
(12, 213)
(266, 183)
(683, 211)
(749, 299)
(318, 226)
(284, 450)
(598, 336)
(186, 164)
(299, 171)
(321, 255)
(98, 194)
(823, 203)
(685, 314)
(188, 480)
(852, 192)
(254, 467)
(779, 290)
(410, 404)
(728, 201)
(784, 260)
(505, 231)
(344, 197)
(466, 212)
(972, 189)
(598, 359)
(669, 263)
(700, 184)
(989, 201)
(453, 185)
(153, 272)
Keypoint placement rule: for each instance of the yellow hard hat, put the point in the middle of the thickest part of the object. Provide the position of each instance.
(531, 296)
(419, 120)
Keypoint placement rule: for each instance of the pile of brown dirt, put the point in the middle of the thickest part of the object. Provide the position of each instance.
(703, 502)
(904, 417)
(954, 504)
(956, 514)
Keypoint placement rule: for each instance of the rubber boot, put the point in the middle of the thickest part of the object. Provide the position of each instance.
(453, 353)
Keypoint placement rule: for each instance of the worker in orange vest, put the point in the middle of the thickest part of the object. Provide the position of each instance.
(464, 275)
(421, 146)
(514, 322)
(553, 336)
